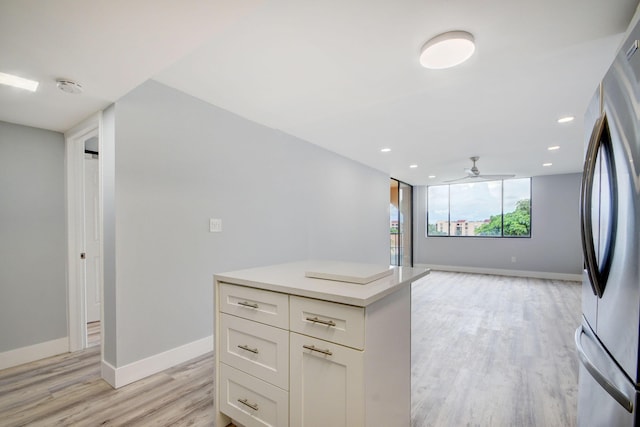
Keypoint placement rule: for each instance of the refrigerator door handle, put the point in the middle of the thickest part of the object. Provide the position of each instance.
(586, 194)
(597, 375)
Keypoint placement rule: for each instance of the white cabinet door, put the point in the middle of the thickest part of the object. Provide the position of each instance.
(326, 384)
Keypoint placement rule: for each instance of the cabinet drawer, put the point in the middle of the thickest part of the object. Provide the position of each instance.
(339, 323)
(251, 401)
(257, 349)
(267, 307)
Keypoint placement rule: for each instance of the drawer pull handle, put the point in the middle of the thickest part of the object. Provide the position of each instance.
(313, 348)
(324, 322)
(248, 304)
(246, 347)
(245, 402)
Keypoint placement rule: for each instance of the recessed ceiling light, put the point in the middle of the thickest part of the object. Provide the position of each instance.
(553, 148)
(19, 82)
(547, 164)
(385, 150)
(566, 119)
(431, 176)
(413, 166)
(447, 50)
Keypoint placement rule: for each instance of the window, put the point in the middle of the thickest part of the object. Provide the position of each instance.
(486, 208)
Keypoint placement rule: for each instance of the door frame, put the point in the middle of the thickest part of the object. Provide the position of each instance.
(410, 227)
(76, 292)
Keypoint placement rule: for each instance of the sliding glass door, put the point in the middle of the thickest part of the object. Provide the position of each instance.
(401, 223)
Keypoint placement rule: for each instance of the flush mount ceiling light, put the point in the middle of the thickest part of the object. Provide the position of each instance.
(19, 82)
(447, 50)
(69, 86)
(553, 148)
(385, 150)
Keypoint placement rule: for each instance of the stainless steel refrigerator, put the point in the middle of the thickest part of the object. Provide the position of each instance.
(607, 341)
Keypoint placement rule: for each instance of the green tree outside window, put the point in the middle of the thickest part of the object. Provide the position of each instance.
(516, 223)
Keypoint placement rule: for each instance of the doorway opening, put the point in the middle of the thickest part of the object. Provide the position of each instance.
(92, 241)
(401, 223)
(85, 236)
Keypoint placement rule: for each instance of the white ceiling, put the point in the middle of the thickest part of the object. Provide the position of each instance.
(342, 74)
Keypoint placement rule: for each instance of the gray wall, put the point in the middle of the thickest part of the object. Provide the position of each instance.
(554, 246)
(178, 162)
(33, 301)
(109, 306)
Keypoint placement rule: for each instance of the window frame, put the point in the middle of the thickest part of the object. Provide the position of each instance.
(502, 235)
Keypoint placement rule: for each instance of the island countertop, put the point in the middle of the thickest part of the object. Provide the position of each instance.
(290, 278)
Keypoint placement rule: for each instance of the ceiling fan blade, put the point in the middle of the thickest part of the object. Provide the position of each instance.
(480, 178)
(499, 176)
(464, 178)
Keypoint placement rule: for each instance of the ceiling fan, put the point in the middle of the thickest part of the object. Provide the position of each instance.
(474, 174)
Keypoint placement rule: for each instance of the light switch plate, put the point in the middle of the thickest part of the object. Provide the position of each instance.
(215, 225)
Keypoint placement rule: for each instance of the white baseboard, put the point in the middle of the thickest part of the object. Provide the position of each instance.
(33, 352)
(127, 374)
(108, 373)
(501, 272)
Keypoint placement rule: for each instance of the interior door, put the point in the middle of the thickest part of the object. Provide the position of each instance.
(92, 238)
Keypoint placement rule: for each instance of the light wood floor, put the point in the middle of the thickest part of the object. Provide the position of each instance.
(93, 333)
(494, 351)
(487, 351)
(67, 391)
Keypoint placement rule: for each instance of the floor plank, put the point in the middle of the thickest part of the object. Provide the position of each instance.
(486, 351)
(93, 333)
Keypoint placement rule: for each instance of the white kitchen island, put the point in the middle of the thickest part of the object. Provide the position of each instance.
(298, 351)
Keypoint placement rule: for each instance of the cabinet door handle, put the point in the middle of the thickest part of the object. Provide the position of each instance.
(246, 347)
(245, 402)
(324, 322)
(313, 348)
(248, 304)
